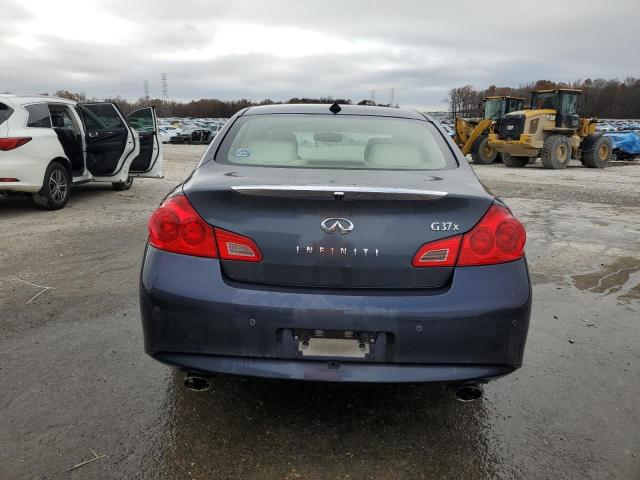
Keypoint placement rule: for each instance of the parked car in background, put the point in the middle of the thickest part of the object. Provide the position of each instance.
(47, 144)
(195, 137)
(342, 243)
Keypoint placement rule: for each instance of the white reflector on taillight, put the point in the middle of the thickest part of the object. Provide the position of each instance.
(440, 253)
(435, 255)
(233, 246)
(241, 250)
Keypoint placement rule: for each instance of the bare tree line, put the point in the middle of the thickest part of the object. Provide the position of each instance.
(600, 97)
(203, 108)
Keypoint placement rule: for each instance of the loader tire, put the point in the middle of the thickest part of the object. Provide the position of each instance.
(596, 151)
(511, 161)
(481, 152)
(556, 152)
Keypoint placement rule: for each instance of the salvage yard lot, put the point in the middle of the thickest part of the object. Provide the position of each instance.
(74, 376)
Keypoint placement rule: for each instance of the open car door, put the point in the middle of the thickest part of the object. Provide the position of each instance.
(148, 163)
(111, 144)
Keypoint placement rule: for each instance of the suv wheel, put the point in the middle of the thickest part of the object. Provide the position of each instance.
(121, 186)
(56, 188)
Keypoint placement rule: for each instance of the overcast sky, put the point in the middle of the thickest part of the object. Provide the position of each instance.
(279, 49)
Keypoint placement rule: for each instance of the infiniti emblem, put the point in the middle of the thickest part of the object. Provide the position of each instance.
(342, 225)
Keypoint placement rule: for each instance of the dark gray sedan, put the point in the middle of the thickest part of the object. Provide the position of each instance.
(335, 243)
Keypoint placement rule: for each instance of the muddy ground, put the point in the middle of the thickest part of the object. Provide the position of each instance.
(73, 375)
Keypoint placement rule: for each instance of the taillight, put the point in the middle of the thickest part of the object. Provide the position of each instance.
(14, 142)
(176, 227)
(498, 238)
(236, 247)
(441, 253)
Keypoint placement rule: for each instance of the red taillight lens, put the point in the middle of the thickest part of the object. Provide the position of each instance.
(237, 247)
(498, 238)
(441, 253)
(11, 143)
(177, 227)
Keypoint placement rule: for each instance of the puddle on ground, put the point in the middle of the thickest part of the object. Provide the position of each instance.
(612, 278)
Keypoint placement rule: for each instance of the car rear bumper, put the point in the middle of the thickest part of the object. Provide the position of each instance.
(473, 330)
(28, 170)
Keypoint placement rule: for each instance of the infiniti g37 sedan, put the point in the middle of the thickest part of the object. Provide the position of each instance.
(342, 243)
(49, 143)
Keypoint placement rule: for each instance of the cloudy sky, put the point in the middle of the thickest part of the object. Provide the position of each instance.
(279, 49)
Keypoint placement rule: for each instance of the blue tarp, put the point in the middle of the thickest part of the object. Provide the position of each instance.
(627, 143)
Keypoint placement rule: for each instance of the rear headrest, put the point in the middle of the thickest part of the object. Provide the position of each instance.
(283, 137)
(57, 120)
(384, 152)
(274, 151)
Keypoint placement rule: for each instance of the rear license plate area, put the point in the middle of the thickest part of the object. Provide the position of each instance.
(334, 343)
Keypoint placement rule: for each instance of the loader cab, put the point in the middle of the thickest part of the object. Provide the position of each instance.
(497, 107)
(563, 100)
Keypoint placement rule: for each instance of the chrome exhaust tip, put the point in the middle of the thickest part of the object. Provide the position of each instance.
(467, 392)
(196, 382)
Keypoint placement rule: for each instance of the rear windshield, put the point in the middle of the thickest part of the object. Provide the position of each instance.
(5, 112)
(335, 141)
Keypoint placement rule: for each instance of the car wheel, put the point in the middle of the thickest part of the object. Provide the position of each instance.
(55, 189)
(121, 186)
(511, 161)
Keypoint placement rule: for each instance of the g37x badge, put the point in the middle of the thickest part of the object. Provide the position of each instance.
(438, 226)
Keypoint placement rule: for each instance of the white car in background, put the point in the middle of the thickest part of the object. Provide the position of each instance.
(49, 143)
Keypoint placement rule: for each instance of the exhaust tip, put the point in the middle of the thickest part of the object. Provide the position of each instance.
(467, 393)
(196, 382)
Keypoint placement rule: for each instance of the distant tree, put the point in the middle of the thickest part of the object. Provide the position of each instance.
(78, 97)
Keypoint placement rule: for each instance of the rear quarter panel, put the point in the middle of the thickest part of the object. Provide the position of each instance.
(29, 162)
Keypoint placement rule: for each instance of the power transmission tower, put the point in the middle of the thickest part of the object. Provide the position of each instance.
(373, 96)
(165, 87)
(393, 97)
(146, 90)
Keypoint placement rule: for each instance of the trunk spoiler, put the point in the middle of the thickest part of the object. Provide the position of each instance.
(337, 192)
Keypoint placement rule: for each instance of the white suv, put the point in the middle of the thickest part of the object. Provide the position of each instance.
(49, 143)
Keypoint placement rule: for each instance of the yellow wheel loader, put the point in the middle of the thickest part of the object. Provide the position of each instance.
(472, 135)
(553, 131)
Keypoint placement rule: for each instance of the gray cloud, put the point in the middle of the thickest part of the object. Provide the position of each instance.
(418, 48)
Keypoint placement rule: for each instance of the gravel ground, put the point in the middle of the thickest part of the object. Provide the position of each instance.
(74, 376)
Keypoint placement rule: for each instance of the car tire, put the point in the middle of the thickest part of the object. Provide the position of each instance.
(481, 152)
(599, 151)
(514, 162)
(56, 188)
(556, 152)
(122, 186)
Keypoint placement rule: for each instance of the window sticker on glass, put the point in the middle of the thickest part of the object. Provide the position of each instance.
(243, 152)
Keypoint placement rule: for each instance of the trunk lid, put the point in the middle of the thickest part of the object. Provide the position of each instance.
(338, 228)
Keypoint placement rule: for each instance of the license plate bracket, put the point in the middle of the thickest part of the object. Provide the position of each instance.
(334, 344)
